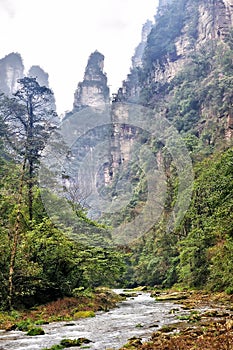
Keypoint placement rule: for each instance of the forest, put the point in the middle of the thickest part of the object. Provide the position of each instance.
(42, 262)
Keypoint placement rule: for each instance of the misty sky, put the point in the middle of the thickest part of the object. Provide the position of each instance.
(59, 35)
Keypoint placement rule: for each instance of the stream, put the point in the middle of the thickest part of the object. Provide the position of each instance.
(139, 316)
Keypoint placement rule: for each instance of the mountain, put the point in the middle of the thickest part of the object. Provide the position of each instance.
(186, 63)
(11, 69)
(93, 90)
(155, 163)
(184, 84)
(40, 74)
(139, 51)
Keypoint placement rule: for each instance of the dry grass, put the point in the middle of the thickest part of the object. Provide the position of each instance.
(217, 336)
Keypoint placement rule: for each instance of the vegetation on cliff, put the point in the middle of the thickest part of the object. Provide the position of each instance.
(39, 261)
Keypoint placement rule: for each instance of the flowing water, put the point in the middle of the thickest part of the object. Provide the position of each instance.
(139, 316)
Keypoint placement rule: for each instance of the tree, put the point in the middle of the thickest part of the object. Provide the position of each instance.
(30, 119)
(35, 124)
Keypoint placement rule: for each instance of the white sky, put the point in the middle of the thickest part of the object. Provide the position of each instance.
(59, 35)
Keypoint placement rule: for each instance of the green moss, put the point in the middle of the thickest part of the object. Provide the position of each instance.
(167, 328)
(84, 314)
(67, 343)
(35, 331)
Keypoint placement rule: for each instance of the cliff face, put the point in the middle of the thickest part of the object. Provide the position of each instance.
(40, 74)
(204, 21)
(181, 29)
(191, 23)
(11, 69)
(43, 79)
(138, 54)
(93, 90)
(198, 102)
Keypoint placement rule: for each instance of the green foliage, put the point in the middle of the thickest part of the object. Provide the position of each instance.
(199, 253)
(167, 28)
(24, 325)
(35, 331)
(206, 251)
(48, 264)
(221, 264)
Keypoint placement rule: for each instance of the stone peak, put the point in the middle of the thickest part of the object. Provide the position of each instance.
(95, 64)
(93, 90)
(13, 58)
(39, 73)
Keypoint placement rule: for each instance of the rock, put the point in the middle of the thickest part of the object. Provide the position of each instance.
(214, 313)
(173, 296)
(84, 314)
(168, 328)
(68, 343)
(133, 342)
(41, 76)
(35, 331)
(93, 90)
(229, 325)
(139, 325)
(11, 69)
(139, 51)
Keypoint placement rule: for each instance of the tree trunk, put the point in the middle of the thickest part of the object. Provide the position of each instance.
(30, 191)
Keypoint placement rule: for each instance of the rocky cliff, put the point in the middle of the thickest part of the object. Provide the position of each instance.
(139, 51)
(40, 74)
(11, 69)
(184, 74)
(93, 90)
(43, 79)
(180, 27)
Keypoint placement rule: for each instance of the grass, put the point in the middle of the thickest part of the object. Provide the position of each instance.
(65, 309)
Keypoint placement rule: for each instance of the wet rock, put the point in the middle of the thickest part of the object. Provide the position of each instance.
(174, 310)
(133, 342)
(68, 343)
(173, 296)
(168, 328)
(139, 325)
(214, 313)
(128, 294)
(153, 325)
(35, 331)
(84, 314)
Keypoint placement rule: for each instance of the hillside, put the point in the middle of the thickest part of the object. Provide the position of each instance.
(135, 191)
(185, 77)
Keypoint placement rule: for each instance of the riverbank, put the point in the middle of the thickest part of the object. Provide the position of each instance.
(208, 326)
(66, 309)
